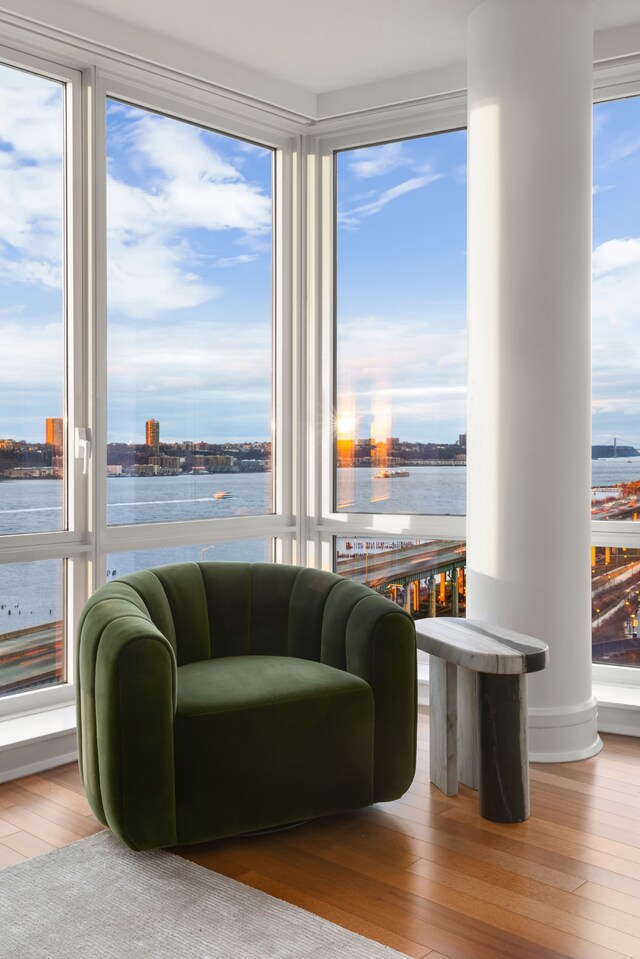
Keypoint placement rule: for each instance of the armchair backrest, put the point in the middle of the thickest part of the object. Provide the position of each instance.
(207, 610)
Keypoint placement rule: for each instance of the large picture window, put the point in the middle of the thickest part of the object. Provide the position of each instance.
(190, 343)
(32, 303)
(400, 406)
(40, 492)
(616, 317)
(615, 496)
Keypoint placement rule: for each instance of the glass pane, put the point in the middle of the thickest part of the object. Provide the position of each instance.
(401, 327)
(615, 578)
(31, 625)
(32, 308)
(189, 217)
(426, 577)
(616, 320)
(237, 551)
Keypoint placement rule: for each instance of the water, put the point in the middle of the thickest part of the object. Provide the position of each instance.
(432, 490)
(607, 472)
(35, 506)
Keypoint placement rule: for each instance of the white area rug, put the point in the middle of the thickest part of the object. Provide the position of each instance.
(96, 899)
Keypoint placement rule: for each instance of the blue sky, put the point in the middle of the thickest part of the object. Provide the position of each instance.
(189, 277)
(189, 280)
(616, 272)
(401, 289)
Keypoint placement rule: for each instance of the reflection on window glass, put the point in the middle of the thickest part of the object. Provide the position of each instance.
(615, 577)
(616, 319)
(32, 194)
(401, 327)
(31, 625)
(189, 216)
(237, 551)
(426, 577)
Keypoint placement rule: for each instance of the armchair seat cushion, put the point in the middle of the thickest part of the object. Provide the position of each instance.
(247, 720)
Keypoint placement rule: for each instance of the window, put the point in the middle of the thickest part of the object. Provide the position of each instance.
(41, 488)
(235, 551)
(32, 612)
(426, 577)
(615, 497)
(400, 408)
(615, 575)
(616, 289)
(32, 303)
(190, 344)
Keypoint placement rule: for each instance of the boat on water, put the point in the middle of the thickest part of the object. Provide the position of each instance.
(222, 494)
(391, 474)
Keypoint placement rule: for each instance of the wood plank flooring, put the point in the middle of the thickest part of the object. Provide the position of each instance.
(426, 875)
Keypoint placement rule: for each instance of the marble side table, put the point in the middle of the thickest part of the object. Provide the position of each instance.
(478, 711)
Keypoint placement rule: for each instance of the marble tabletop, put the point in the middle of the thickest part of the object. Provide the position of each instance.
(481, 647)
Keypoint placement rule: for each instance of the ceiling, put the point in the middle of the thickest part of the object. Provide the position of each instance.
(326, 46)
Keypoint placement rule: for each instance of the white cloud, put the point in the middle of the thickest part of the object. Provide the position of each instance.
(187, 186)
(225, 261)
(178, 150)
(31, 272)
(183, 184)
(378, 160)
(353, 217)
(149, 276)
(36, 356)
(194, 360)
(416, 368)
(31, 184)
(31, 118)
(625, 149)
(614, 255)
(616, 346)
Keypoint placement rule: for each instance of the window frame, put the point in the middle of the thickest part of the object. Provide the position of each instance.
(170, 99)
(70, 544)
(612, 82)
(442, 116)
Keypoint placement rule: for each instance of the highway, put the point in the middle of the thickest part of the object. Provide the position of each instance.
(404, 565)
(31, 657)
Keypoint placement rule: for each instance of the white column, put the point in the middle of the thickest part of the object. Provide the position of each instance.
(529, 430)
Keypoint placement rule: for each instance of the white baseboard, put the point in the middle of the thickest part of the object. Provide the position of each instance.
(44, 748)
(38, 741)
(618, 706)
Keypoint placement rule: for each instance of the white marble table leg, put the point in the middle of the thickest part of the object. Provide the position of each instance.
(468, 727)
(443, 723)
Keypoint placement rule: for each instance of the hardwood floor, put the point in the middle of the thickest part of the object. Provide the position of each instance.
(426, 875)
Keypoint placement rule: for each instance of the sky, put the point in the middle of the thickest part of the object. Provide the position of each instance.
(401, 290)
(190, 274)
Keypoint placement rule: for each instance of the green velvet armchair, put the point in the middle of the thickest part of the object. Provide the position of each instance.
(222, 698)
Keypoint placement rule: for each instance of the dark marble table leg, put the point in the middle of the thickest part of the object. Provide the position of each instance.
(504, 759)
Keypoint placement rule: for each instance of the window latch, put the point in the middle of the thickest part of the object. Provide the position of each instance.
(83, 447)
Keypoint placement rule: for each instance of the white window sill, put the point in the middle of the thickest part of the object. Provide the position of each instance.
(37, 741)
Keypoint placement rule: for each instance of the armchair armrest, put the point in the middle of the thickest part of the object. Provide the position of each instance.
(380, 645)
(127, 713)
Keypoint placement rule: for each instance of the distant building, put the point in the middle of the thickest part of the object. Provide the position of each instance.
(152, 434)
(462, 441)
(168, 464)
(54, 431)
